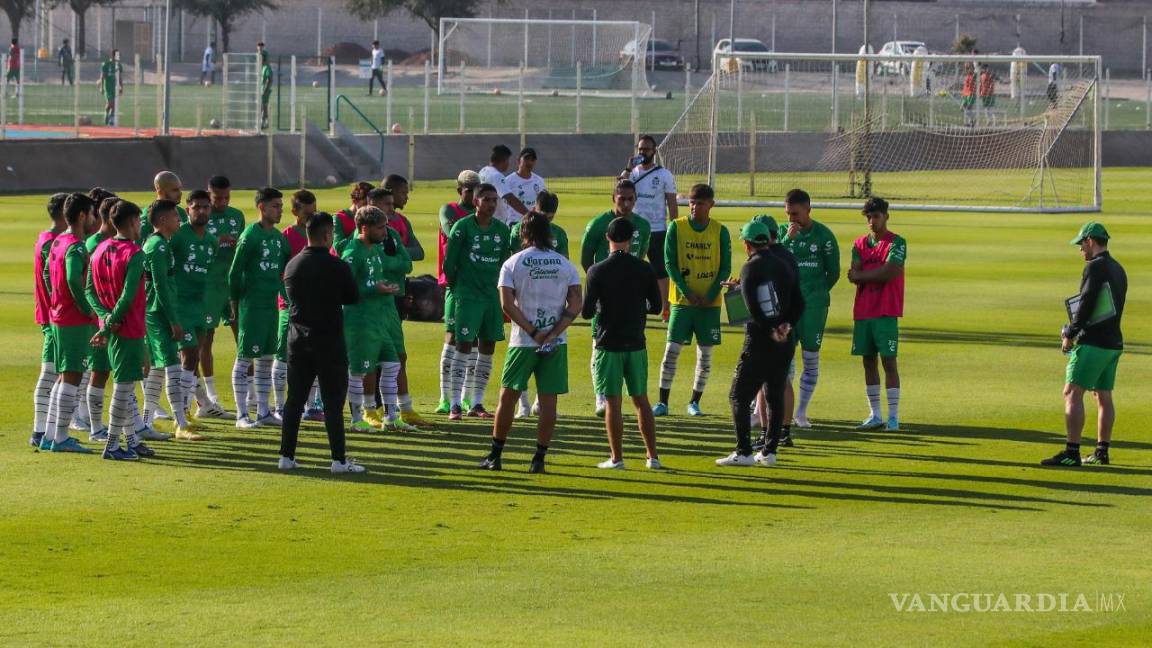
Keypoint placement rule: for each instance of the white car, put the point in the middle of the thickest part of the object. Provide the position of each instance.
(730, 55)
(897, 48)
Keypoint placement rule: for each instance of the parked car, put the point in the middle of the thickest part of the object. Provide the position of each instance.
(730, 55)
(662, 55)
(897, 48)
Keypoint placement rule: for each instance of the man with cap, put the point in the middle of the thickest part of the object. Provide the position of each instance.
(1094, 343)
(523, 182)
(770, 284)
(621, 292)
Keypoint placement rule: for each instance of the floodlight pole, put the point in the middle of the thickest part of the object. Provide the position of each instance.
(867, 184)
(165, 128)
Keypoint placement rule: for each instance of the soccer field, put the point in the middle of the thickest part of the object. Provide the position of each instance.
(208, 544)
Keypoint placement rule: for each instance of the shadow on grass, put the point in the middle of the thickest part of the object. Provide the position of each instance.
(445, 459)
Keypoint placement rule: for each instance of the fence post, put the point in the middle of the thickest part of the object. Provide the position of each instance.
(20, 91)
(137, 79)
(427, 97)
(1107, 97)
(388, 98)
(521, 117)
(461, 91)
(579, 94)
(292, 97)
(638, 58)
(199, 118)
(303, 144)
(739, 97)
(787, 92)
(752, 153)
(687, 86)
(76, 83)
(223, 91)
(835, 96)
(3, 99)
(271, 156)
(159, 94)
(319, 31)
(884, 107)
(332, 95)
(1147, 100)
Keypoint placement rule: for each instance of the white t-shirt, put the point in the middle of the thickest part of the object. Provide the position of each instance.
(651, 201)
(504, 212)
(526, 189)
(377, 58)
(209, 59)
(1053, 73)
(541, 279)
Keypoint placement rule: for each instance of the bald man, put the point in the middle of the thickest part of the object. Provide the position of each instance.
(168, 187)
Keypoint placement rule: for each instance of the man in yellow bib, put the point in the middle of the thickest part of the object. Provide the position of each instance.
(698, 256)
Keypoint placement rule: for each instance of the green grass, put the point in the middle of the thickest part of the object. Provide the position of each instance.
(209, 545)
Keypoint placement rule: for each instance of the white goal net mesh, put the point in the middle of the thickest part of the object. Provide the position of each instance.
(241, 96)
(945, 132)
(481, 55)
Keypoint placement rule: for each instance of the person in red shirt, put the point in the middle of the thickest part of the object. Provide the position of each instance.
(42, 395)
(878, 273)
(466, 183)
(346, 218)
(116, 292)
(13, 73)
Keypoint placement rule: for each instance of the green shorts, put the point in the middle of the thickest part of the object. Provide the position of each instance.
(282, 335)
(162, 349)
(810, 329)
(394, 329)
(73, 344)
(550, 370)
(968, 101)
(217, 308)
(14, 75)
(877, 335)
(98, 359)
(127, 358)
(192, 321)
(48, 350)
(611, 368)
(701, 322)
(988, 101)
(368, 346)
(449, 311)
(1092, 367)
(478, 319)
(257, 331)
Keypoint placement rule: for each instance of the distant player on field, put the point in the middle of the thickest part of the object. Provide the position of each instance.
(478, 245)
(193, 250)
(523, 182)
(208, 65)
(112, 83)
(226, 223)
(509, 209)
(255, 281)
(376, 68)
(818, 256)
(594, 247)
(878, 272)
(265, 86)
(697, 258)
(41, 396)
(466, 183)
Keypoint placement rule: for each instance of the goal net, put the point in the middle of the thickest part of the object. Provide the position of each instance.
(241, 93)
(495, 56)
(949, 132)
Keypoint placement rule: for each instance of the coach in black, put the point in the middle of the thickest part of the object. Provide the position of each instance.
(318, 286)
(770, 283)
(1094, 343)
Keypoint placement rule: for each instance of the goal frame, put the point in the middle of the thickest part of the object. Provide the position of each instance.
(780, 58)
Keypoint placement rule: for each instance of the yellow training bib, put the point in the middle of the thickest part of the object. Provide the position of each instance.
(698, 257)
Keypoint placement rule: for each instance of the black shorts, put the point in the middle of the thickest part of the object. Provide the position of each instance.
(656, 254)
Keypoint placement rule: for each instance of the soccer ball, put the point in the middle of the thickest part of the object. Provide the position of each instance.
(396, 128)
(497, 92)
(85, 120)
(207, 83)
(331, 181)
(315, 84)
(555, 93)
(214, 123)
(380, 92)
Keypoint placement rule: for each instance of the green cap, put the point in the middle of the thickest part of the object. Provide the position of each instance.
(756, 230)
(1091, 229)
(767, 220)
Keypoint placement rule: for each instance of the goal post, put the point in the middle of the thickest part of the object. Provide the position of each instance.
(925, 131)
(241, 92)
(499, 55)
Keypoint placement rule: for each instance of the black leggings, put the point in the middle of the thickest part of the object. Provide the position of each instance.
(307, 361)
(763, 363)
(377, 75)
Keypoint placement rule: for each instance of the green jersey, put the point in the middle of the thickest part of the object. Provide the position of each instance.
(193, 256)
(818, 256)
(94, 241)
(227, 224)
(594, 247)
(146, 225)
(257, 268)
(266, 80)
(559, 238)
(367, 265)
(474, 256)
(112, 74)
(159, 273)
(397, 266)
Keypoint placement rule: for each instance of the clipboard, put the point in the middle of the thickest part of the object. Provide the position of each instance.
(737, 310)
(1105, 308)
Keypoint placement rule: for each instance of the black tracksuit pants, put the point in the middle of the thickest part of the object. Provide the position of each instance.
(309, 360)
(763, 363)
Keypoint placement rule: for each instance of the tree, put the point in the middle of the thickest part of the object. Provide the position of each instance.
(965, 44)
(80, 8)
(18, 11)
(429, 11)
(225, 13)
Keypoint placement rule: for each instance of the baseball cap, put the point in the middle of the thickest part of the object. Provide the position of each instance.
(527, 151)
(756, 231)
(767, 220)
(1091, 229)
(468, 178)
(620, 230)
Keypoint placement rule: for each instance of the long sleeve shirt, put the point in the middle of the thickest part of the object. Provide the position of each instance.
(770, 284)
(1101, 274)
(622, 291)
(318, 285)
(160, 277)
